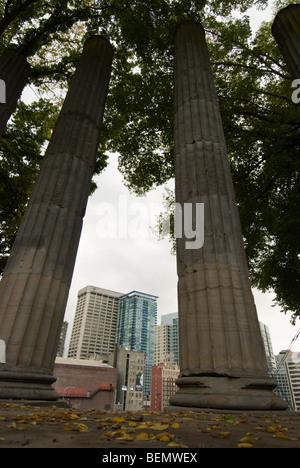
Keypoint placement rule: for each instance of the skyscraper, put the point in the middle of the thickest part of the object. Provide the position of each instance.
(267, 342)
(95, 323)
(292, 365)
(62, 339)
(163, 344)
(135, 329)
(166, 340)
(281, 378)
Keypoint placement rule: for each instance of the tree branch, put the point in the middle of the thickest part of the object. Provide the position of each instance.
(251, 67)
(10, 16)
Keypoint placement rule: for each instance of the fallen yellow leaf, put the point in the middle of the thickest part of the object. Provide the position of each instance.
(175, 425)
(223, 435)
(126, 437)
(115, 434)
(119, 419)
(164, 438)
(61, 414)
(280, 435)
(81, 427)
(260, 428)
(247, 440)
(143, 426)
(143, 436)
(245, 445)
(13, 425)
(160, 427)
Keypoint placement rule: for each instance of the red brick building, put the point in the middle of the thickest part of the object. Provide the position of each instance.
(163, 385)
(85, 383)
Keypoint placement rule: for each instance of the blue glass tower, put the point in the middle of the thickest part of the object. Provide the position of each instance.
(135, 329)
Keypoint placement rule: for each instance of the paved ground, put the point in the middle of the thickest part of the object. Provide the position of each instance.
(23, 426)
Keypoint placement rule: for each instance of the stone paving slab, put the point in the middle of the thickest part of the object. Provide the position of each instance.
(38, 426)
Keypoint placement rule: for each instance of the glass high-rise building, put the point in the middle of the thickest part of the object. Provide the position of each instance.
(267, 342)
(135, 329)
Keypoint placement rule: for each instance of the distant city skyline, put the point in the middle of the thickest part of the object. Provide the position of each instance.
(130, 320)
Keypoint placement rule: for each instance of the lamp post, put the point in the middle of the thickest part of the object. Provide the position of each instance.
(65, 392)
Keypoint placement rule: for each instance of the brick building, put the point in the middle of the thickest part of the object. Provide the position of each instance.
(85, 383)
(163, 385)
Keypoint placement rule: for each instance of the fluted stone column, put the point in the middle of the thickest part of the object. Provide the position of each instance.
(14, 71)
(36, 281)
(222, 359)
(286, 30)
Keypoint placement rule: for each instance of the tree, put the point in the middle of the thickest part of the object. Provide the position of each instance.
(261, 122)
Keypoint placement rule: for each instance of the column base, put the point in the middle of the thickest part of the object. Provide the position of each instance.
(227, 393)
(27, 386)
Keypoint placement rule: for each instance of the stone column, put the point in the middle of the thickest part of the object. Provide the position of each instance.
(36, 281)
(14, 72)
(286, 30)
(222, 359)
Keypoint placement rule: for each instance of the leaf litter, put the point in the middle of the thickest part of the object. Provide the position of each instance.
(152, 427)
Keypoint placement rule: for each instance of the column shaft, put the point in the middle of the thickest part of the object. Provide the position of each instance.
(221, 347)
(286, 30)
(36, 281)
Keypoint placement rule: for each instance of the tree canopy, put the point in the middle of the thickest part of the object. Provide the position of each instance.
(261, 122)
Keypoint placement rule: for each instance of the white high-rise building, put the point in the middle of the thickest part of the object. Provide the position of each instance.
(292, 365)
(163, 345)
(166, 340)
(281, 378)
(95, 323)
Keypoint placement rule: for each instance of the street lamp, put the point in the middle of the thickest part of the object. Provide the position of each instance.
(66, 388)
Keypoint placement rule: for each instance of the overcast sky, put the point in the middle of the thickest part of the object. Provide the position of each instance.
(125, 255)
